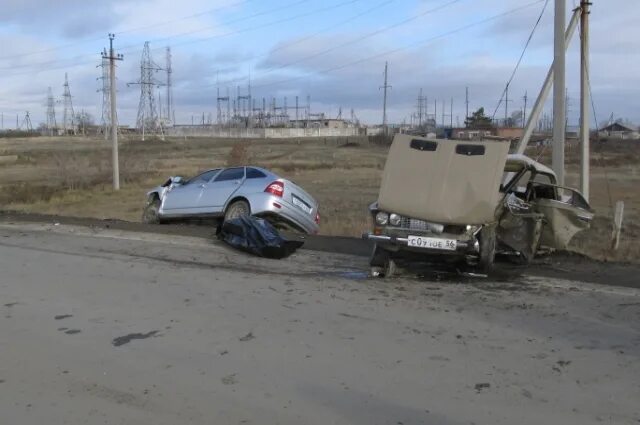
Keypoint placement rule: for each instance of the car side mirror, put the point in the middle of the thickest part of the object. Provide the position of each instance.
(177, 180)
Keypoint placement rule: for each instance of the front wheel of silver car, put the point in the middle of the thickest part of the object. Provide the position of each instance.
(151, 214)
(237, 209)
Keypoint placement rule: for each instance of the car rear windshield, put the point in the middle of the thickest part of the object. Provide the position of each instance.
(253, 173)
(231, 174)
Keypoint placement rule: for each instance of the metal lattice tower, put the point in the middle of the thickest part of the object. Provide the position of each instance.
(68, 116)
(26, 122)
(105, 120)
(51, 113)
(148, 120)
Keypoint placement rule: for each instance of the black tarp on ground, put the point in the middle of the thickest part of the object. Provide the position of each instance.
(257, 236)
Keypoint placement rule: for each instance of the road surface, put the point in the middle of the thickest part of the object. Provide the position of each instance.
(104, 326)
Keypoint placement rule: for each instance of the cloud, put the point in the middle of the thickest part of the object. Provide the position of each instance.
(287, 61)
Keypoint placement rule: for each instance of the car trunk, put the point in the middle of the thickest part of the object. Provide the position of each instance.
(443, 181)
(297, 196)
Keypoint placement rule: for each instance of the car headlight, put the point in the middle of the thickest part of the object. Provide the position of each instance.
(395, 219)
(382, 218)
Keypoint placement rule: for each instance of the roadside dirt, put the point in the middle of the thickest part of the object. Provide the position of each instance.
(560, 265)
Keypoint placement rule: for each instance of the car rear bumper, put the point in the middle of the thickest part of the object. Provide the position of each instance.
(265, 204)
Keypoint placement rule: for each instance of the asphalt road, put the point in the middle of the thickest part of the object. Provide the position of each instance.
(108, 326)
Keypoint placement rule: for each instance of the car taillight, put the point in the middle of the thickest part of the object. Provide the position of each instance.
(317, 218)
(276, 188)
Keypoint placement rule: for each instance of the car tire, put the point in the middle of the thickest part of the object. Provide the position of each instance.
(151, 212)
(237, 209)
(487, 239)
(378, 256)
(390, 268)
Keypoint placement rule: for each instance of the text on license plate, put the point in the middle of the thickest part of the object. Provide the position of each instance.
(432, 243)
(301, 204)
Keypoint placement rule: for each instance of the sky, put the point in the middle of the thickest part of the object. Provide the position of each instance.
(331, 50)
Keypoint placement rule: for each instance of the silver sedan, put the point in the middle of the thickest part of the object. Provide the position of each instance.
(228, 193)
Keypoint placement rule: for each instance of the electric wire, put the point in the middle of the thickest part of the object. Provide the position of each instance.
(409, 46)
(524, 50)
(126, 31)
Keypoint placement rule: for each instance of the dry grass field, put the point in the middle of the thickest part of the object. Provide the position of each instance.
(72, 176)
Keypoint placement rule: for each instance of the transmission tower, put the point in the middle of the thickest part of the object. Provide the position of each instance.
(105, 120)
(68, 119)
(147, 120)
(26, 122)
(51, 113)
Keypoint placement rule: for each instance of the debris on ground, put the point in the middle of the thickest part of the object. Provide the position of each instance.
(257, 236)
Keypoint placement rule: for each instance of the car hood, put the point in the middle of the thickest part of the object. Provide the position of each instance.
(443, 181)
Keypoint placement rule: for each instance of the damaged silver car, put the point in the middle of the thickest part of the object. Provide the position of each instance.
(227, 193)
(468, 200)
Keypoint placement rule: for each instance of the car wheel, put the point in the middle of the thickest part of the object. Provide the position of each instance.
(150, 214)
(389, 268)
(378, 256)
(487, 241)
(237, 209)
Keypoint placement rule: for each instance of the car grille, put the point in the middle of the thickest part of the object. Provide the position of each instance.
(421, 225)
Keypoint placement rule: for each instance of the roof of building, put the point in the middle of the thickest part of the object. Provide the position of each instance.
(617, 126)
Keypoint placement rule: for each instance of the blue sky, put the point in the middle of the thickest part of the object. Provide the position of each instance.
(332, 50)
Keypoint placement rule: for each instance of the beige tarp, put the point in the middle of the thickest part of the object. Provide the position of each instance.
(443, 186)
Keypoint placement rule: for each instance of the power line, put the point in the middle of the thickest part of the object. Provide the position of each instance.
(308, 37)
(513, 74)
(66, 46)
(130, 48)
(409, 46)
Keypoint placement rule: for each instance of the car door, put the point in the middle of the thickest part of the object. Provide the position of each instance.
(185, 197)
(566, 213)
(216, 193)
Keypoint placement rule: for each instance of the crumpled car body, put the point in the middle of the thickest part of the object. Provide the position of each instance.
(468, 200)
(228, 193)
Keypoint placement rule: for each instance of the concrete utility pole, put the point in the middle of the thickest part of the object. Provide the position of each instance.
(114, 123)
(546, 89)
(559, 95)
(466, 102)
(384, 104)
(584, 99)
(524, 111)
(506, 105)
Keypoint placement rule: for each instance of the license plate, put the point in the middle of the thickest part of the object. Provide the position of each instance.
(432, 243)
(301, 204)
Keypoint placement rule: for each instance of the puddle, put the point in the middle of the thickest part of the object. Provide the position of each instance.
(353, 275)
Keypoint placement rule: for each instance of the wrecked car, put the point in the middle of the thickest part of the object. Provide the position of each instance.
(228, 193)
(468, 200)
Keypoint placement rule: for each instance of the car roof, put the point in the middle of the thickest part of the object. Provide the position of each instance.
(525, 161)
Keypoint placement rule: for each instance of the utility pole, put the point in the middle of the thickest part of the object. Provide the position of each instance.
(384, 104)
(538, 105)
(114, 122)
(170, 114)
(584, 99)
(506, 105)
(443, 113)
(467, 102)
(451, 113)
(559, 85)
(524, 111)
